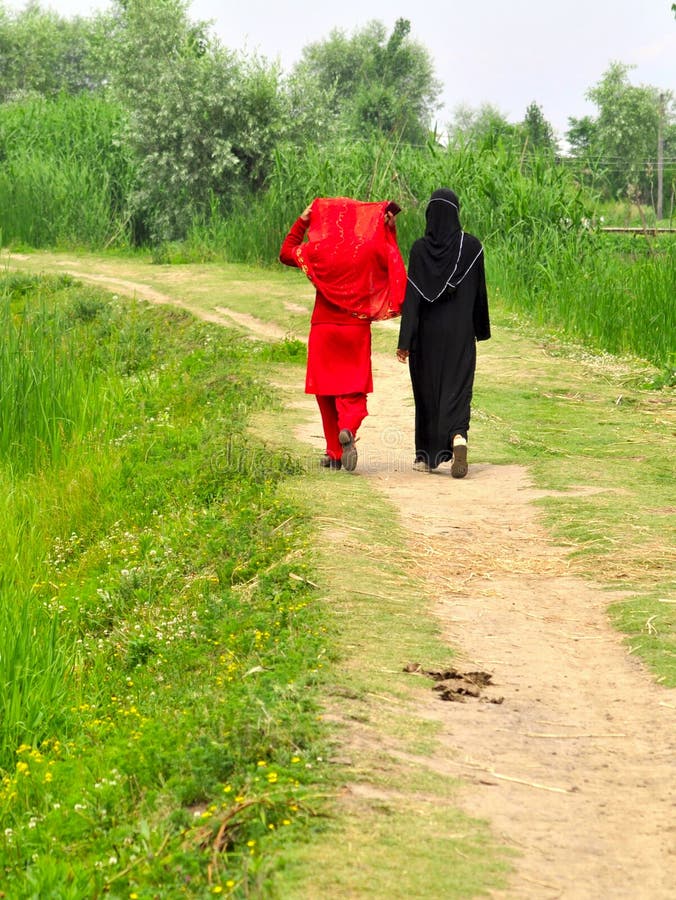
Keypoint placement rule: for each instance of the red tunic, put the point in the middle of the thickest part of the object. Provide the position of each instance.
(339, 346)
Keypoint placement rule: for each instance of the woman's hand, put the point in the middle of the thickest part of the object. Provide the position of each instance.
(391, 210)
(402, 355)
(305, 215)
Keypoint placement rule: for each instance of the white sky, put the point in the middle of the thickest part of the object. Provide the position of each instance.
(504, 52)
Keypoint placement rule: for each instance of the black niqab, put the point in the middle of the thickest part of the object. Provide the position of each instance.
(441, 259)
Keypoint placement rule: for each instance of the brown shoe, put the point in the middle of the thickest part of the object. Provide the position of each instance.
(349, 456)
(459, 465)
(328, 462)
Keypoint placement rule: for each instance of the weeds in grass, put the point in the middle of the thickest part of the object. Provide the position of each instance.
(160, 638)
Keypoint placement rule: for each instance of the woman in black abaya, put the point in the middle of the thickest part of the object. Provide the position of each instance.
(445, 312)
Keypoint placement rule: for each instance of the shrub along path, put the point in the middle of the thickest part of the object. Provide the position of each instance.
(566, 743)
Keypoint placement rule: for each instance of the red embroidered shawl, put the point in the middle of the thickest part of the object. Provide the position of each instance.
(353, 258)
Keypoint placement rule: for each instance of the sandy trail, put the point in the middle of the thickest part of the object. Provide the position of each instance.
(576, 767)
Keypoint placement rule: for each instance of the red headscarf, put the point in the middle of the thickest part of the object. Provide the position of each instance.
(352, 257)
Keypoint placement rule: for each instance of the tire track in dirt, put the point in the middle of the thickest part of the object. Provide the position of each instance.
(219, 315)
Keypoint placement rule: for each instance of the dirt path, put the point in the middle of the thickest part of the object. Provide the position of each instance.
(575, 766)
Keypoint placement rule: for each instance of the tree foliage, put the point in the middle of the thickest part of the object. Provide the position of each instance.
(537, 130)
(484, 127)
(374, 82)
(206, 129)
(480, 127)
(43, 53)
(620, 143)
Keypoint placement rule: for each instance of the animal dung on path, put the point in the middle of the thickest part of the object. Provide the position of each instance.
(457, 686)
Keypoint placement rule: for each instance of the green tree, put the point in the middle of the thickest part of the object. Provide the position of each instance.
(480, 127)
(202, 122)
(537, 130)
(621, 141)
(581, 136)
(309, 109)
(43, 53)
(373, 82)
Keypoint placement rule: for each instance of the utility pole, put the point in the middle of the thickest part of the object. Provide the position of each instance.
(660, 156)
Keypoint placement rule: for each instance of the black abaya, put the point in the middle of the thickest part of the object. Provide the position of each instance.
(440, 336)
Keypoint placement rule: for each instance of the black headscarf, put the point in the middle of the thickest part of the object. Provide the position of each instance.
(444, 256)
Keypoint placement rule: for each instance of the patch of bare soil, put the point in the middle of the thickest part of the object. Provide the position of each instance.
(258, 328)
(457, 686)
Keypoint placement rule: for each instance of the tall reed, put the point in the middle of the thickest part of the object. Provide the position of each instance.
(46, 386)
(66, 175)
(500, 194)
(531, 215)
(35, 665)
(62, 361)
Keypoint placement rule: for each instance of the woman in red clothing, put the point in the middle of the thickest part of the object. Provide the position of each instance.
(352, 258)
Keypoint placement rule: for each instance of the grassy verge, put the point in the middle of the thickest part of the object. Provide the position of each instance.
(159, 633)
(189, 752)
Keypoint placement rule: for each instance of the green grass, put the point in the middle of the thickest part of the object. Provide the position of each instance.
(65, 175)
(160, 639)
(49, 371)
(649, 621)
(594, 290)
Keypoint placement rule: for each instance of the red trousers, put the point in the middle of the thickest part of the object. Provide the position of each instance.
(344, 411)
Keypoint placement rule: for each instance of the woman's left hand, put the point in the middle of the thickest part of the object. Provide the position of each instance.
(402, 355)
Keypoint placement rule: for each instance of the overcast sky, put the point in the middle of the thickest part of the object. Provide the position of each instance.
(504, 53)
